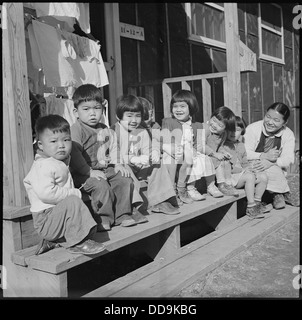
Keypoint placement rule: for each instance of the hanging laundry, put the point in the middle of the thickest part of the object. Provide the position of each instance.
(58, 71)
(61, 54)
(35, 54)
(64, 10)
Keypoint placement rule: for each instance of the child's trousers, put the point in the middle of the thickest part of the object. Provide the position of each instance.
(68, 223)
(112, 197)
(159, 188)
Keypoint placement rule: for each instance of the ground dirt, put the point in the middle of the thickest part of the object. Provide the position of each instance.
(263, 270)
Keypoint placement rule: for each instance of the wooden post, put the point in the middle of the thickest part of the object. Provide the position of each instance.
(233, 58)
(17, 134)
(112, 26)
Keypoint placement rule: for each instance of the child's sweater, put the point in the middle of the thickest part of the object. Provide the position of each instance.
(48, 182)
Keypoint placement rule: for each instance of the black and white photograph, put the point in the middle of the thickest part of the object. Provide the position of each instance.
(151, 154)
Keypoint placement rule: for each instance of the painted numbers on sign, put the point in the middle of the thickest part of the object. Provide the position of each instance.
(131, 31)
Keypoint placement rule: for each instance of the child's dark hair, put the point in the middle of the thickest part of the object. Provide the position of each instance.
(228, 118)
(147, 105)
(87, 92)
(188, 97)
(53, 122)
(129, 103)
(282, 108)
(241, 124)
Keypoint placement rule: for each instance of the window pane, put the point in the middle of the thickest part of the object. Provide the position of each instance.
(271, 16)
(208, 22)
(271, 44)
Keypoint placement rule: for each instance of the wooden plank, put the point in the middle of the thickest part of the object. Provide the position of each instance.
(128, 280)
(233, 57)
(165, 244)
(29, 235)
(185, 85)
(195, 77)
(113, 47)
(206, 100)
(59, 260)
(167, 95)
(16, 101)
(12, 212)
(167, 282)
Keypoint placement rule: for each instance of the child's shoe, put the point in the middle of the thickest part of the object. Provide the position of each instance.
(265, 207)
(227, 189)
(125, 221)
(45, 245)
(194, 194)
(278, 201)
(184, 196)
(87, 247)
(213, 191)
(254, 212)
(138, 217)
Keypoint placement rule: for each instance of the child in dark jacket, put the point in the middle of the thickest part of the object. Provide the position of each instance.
(108, 182)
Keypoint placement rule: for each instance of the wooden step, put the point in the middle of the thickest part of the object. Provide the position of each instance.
(59, 260)
(166, 279)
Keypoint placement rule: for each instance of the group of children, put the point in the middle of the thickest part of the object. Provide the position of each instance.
(107, 164)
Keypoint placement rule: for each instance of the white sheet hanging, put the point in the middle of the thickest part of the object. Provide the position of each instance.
(61, 55)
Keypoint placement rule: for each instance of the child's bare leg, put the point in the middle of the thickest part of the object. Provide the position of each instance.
(220, 173)
(261, 183)
(247, 180)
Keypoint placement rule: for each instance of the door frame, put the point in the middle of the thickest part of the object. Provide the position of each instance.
(114, 60)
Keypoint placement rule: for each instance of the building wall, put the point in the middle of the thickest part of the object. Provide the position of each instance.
(167, 52)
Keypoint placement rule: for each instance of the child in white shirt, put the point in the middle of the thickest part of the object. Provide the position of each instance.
(60, 216)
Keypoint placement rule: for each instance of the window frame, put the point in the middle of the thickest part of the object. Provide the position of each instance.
(262, 26)
(197, 38)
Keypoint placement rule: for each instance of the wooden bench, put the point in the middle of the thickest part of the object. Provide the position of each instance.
(162, 239)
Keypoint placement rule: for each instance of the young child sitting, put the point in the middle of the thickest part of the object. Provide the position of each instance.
(60, 216)
(134, 145)
(217, 128)
(108, 183)
(184, 150)
(240, 174)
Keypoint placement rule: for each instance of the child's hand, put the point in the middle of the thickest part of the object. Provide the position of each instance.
(144, 160)
(123, 170)
(227, 156)
(155, 156)
(98, 174)
(219, 156)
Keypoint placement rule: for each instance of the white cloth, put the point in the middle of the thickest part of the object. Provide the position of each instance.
(64, 11)
(187, 141)
(202, 167)
(68, 59)
(252, 138)
(47, 183)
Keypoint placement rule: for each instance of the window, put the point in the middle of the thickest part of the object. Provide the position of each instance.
(271, 32)
(206, 23)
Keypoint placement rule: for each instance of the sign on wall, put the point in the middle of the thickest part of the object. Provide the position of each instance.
(132, 32)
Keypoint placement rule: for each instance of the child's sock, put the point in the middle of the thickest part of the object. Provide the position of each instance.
(251, 204)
